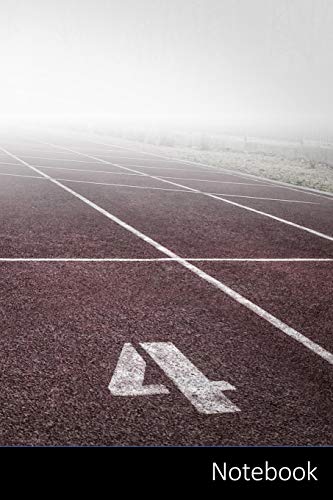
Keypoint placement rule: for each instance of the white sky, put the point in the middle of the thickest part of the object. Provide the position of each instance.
(245, 59)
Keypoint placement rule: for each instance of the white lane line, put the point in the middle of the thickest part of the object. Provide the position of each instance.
(213, 196)
(84, 259)
(143, 174)
(213, 180)
(40, 152)
(183, 191)
(21, 175)
(80, 161)
(262, 198)
(59, 159)
(257, 178)
(145, 187)
(280, 325)
(7, 163)
(161, 168)
(125, 185)
(136, 158)
(163, 259)
(89, 171)
(255, 259)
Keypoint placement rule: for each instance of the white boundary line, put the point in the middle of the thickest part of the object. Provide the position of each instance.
(149, 167)
(166, 259)
(150, 187)
(58, 159)
(184, 191)
(22, 175)
(244, 207)
(126, 185)
(144, 173)
(7, 163)
(280, 325)
(88, 171)
(228, 182)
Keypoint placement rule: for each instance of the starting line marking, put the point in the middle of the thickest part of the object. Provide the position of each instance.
(206, 396)
(280, 325)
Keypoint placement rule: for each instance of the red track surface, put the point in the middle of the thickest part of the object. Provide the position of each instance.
(64, 324)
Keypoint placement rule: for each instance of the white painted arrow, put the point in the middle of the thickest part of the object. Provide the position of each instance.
(129, 374)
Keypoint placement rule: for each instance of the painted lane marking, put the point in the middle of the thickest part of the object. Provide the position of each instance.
(147, 187)
(161, 168)
(7, 163)
(142, 174)
(206, 396)
(213, 180)
(183, 191)
(263, 198)
(245, 207)
(128, 377)
(84, 259)
(58, 159)
(280, 325)
(22, 175)
(123, 185)
(163, 259)
(213, 196)
(88, 171)
(135, 158)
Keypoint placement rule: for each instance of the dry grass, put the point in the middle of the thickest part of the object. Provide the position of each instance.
(297, 171)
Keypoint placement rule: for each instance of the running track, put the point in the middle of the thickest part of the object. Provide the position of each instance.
(131, 281)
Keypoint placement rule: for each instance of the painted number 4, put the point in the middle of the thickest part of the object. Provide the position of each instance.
(206, 396)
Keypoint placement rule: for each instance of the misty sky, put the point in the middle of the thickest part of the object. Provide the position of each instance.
(245, 59)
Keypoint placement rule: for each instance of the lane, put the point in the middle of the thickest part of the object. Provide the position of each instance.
(141, 184)
(246, 188)
(7, 160)
(14, 169)
(132, 179)
(194, 225)
(318, 217)
(152, 162)
(58, 354)
(40, 220)
(103, 176)
(218, 198)
(300, 294)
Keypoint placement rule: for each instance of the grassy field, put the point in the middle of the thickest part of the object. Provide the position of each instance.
(298, 164)
(302, 163)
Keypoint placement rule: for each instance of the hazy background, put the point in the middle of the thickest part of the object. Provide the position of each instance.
(254, 66)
